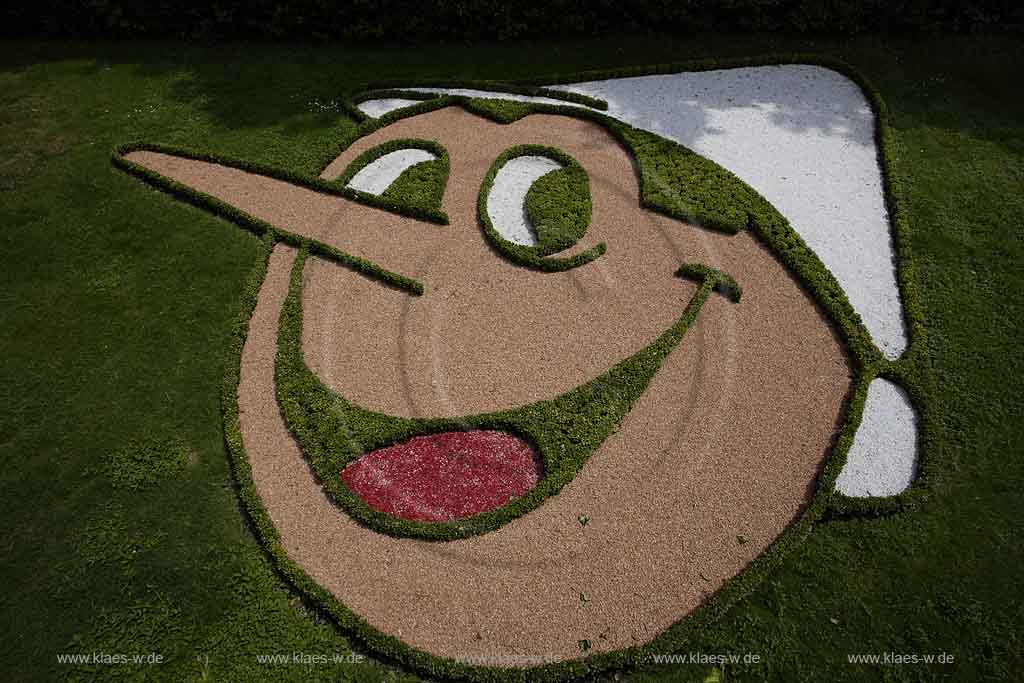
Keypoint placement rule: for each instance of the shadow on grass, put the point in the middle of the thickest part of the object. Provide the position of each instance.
(300, 87)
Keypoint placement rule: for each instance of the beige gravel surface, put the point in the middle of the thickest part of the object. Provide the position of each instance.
(726, 442)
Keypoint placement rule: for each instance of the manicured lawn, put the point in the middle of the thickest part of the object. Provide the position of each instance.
(117, 306)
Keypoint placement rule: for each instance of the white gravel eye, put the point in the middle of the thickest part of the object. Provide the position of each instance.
(506, 202)
(534, 203)
(378, 175)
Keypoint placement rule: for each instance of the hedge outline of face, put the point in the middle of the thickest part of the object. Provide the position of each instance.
(428, 286)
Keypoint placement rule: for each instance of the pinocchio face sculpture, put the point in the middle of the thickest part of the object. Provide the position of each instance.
(496, 400)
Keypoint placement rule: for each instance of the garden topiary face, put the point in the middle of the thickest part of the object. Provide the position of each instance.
(604, 355)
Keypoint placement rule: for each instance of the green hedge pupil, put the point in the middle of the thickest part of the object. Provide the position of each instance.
(558, 207)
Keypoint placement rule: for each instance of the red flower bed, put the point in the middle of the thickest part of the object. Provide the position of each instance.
(445, 476)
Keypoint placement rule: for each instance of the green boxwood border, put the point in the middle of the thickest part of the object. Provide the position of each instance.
(559, 207)
(309, 182)
(400, 88)
(724, 282)
(351, 108)
(533, 257)
(437, 171)
(247, 221)
(912, 371)
(394, 89)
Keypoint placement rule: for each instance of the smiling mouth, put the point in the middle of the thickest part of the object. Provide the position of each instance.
(449, 478)
(335, 433)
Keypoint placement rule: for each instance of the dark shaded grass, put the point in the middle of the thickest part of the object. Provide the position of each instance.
(117, 306)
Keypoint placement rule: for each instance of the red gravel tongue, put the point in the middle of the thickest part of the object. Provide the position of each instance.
(445, 476)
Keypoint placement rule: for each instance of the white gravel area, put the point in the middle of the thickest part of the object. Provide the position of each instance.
(379, 107)
(506, 202)
(883, 458)
(803, 136)
(378, 175)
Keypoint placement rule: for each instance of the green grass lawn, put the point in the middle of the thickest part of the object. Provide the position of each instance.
(116, 313)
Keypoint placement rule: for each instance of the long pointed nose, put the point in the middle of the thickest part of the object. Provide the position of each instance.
(395, 243)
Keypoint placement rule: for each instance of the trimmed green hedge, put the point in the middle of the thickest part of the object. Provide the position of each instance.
(558, 206)
(221, 208)
(572, 199)
(323, 20)
(419, 187)
(724, 283)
